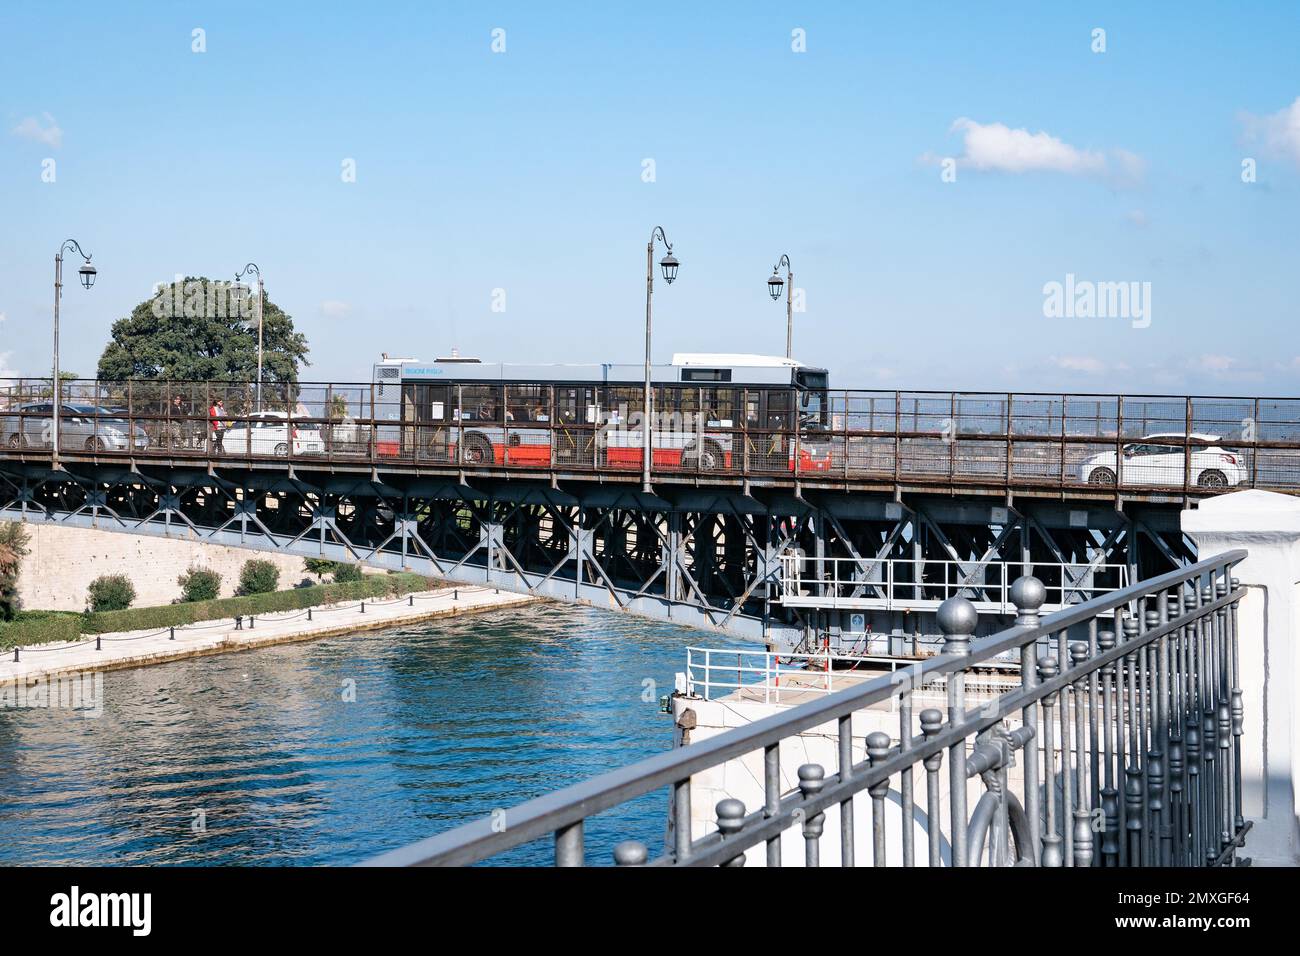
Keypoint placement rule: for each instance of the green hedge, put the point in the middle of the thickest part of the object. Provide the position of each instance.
(42, 627)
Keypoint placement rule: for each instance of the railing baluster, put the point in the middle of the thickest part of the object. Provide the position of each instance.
(569, 845)
(1238, 715)
(846, 773)
(682, 820)
(1110, 845)
(1067, 790)
(1210, 790)
(1159, 790)
(1082, 841)
(957, 619)
(772, 797)
(931, 724)
(811, 779)
(1051, 855)
(1028, 594)
(1132, 825)
(877, 750)
(905, 778)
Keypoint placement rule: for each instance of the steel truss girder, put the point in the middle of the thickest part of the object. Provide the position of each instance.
(701, 556)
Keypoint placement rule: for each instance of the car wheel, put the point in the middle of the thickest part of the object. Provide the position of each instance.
(1212, 478)
(94, 444)
(478, 451)
(15, 440)
(1102, 476)
(282, 449)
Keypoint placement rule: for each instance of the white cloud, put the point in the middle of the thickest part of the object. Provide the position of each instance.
(996, 147)
(334, 309)
(1279, 132)
(31, 128)
(1138, 218)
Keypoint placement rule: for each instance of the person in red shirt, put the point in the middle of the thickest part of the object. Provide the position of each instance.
(216, 419)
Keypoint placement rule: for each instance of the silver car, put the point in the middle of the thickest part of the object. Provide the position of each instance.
(91, 427)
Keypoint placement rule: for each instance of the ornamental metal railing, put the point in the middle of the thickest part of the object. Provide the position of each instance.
(889, 583)
(1115, 748)
(1104, 443)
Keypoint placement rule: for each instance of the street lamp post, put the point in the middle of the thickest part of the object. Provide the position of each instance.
(774, 285)
(87, 275)
(669, 265)
(252, 267)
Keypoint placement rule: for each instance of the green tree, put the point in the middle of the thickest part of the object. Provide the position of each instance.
(13, 547)
(199, 330)
(110, 592)
(199, 584)
(258, 577)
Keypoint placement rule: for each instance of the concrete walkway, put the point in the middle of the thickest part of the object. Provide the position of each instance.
(139, 648)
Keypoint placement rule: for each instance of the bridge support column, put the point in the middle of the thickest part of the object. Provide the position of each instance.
(1268, 526)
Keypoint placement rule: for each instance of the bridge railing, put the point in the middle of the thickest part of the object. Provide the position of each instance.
(846, 583)
(1101, 442)
(1120, 747)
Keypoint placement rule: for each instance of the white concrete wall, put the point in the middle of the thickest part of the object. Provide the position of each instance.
(63, 561)
(1268, 526)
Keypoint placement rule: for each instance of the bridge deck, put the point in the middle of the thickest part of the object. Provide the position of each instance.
(1100, 447)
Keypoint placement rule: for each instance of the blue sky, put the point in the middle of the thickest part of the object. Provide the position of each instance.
(523, 171)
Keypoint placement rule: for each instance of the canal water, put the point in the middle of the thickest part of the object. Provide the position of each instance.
(330, 751)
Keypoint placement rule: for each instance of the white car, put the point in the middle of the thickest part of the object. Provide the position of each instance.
(1159, 459)
(271, 433)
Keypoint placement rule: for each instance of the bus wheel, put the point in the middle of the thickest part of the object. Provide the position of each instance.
(708, 457)
(478, 451)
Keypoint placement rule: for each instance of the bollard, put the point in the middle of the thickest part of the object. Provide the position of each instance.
(172, 636)
(410, 598)
(98, 645)
(251, 623)
(308, 609)
(455, 592)
(363, 607)
(15, 648)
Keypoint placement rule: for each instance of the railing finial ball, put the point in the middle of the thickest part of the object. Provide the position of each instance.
(811, 778)
(957, 620)
(1047, 667)
(878, 745)
(1028, 594)
(630, 853)
(931, 721)
(730, 812)
(1106, 639)
(1078, 652)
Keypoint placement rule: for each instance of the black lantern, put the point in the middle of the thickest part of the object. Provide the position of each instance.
(669, 264)
(775, 285)
(88, 273)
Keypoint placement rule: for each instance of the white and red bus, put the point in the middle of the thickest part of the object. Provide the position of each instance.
(710, 412)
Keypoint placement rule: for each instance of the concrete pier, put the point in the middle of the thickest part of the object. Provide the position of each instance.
(139, 648)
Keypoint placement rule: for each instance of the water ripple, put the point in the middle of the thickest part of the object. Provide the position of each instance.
(450, 721)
